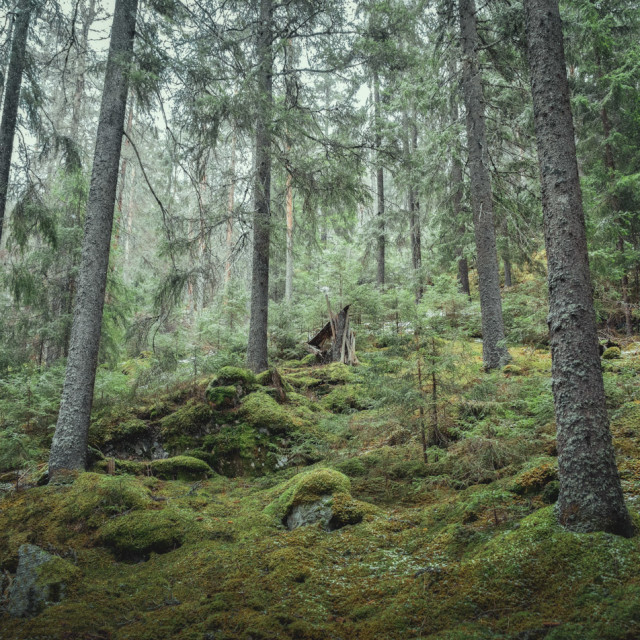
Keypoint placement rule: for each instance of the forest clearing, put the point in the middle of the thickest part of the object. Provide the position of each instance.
(319, 320)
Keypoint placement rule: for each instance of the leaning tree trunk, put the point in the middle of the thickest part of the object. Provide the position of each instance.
(69, 446)
(380, 274)
(257, 348)
(590, 492)
(12, 99)
(494, 353)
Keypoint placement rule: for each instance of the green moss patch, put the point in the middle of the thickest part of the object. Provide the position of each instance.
(181, 468)
(261, 411)
(178, 429)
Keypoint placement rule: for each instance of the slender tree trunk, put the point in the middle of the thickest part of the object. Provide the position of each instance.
(230, 208)
(69, 446)
(494, 353)
(257, 348)
(414, 214)
(457, 187)
(380, 274)
(12, 99)
(81, 69)
(615, 207)
(288, 285)
(590, 492)
(4, 70)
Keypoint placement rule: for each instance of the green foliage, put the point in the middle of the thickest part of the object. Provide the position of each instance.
(261, 411)
(180, 468)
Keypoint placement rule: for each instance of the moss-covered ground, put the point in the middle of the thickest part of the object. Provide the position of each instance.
(461, 546)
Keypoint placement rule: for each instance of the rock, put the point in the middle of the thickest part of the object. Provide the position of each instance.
(310, 513)
(41, 580)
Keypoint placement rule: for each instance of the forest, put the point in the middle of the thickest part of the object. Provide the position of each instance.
(319, 319)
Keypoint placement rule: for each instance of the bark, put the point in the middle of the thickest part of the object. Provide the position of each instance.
(12, 99)
(590, 492)
(380, 274)
(288, 282)
(414, 217)
(230, 208)
(494, 353)
(69, 446)
(257, 348)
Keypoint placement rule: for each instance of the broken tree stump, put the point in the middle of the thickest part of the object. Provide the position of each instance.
(335, 342)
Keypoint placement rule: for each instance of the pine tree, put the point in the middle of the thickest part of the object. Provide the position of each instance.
(69, 446)
(590, 492)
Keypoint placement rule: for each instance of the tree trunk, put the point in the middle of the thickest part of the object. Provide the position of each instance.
(380, 274)
(414, 215)
(494, 353)
(230, 208)
(257, 348)
(12, 99)
(457, 185)
(69, 446)
(288, 283)
(590, 492)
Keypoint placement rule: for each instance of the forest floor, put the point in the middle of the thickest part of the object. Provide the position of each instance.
(462, 546)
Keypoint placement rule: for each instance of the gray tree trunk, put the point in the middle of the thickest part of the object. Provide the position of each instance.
(380, 274)
(257, 348)
(494, 353)
(12, 99)
(414, 220)
(69, 446)
(590, 492)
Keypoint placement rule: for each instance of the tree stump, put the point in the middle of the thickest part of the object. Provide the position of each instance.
(335, 342)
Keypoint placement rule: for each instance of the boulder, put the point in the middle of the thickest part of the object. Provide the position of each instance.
(41, 580)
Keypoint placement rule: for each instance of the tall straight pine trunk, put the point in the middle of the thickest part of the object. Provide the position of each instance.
(494, 353)
(590, 492)
(257, 348)
(414, 214)
(12, 99)
(69, 446)
(381, 246)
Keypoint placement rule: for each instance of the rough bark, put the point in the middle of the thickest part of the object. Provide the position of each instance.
(414, 215)
(69, 446)
(257, 348)
(12, 99)
(381, 245)
(494, 353)
(590, 492)
(230, 208)
(288, 281)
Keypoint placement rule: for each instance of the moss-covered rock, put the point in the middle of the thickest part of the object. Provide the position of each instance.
(235, 376)
(223, 397)
(307, 488)
(135, 535)
(238, 450)
(92, 497)
(353, 467)
(261, 411)
(179, 429)
(345, 510)
(116, 428)
(612, 353)
(181, 468)
(41, 579)
(127, 467)
(535, 479)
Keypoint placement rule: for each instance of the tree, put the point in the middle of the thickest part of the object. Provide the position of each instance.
(69, 446)
(494, 353)
(257, 348)
(590, 493)
(12, 99)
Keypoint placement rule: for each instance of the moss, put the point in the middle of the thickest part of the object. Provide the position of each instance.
(534, 480)
(512, 370)
(135, 535)
(116, 428)
(309, 360)
(92, 497)
(181, 468)
(347, 511)
(222, 397)
(262, 412)
(179, 428)
(612, 353)
(551, 492)
(308, 487)
(303, 381)
(335, 373)
(353, 467)
(236, 376)
(346, 399)
(57, 571)
(130, 467)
